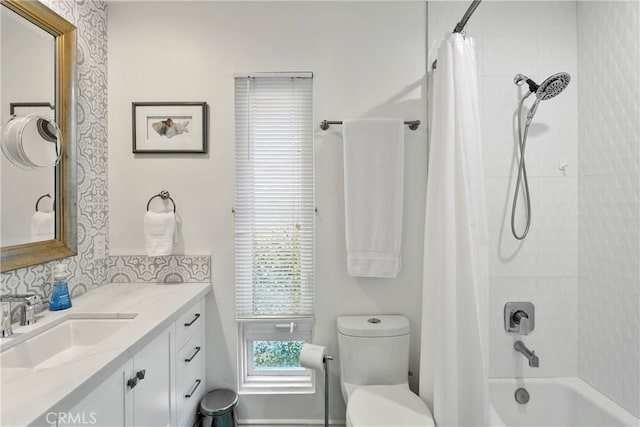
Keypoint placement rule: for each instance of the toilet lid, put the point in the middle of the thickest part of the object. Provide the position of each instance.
(388, 406)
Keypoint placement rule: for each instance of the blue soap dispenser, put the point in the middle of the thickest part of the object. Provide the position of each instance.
(60, 298)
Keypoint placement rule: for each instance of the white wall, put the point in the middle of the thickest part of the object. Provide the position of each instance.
(368, 60)
(536, 39)
(609, 117)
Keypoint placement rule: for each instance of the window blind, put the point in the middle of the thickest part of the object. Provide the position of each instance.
(274, 206)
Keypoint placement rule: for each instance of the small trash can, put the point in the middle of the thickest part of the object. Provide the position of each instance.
(217, 408)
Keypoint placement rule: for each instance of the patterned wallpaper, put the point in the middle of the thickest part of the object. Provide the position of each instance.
(165, 269)
(87, 272)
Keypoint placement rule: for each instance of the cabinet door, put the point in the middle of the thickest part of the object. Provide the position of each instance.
(105, 406)
(152, 394)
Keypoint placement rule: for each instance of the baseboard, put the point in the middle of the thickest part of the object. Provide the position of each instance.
(289, 423)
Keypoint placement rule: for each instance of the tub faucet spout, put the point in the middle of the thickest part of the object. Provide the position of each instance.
(520, 347)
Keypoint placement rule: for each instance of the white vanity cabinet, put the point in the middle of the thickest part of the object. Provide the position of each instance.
(161, 385)
(150, 333)
(137, 394)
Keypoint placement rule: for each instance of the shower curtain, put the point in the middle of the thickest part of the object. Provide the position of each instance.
(454, 359)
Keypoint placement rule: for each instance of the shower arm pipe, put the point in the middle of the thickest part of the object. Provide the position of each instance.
(463, 23)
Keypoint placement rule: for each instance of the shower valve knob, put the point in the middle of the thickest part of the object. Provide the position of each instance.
(519, 317)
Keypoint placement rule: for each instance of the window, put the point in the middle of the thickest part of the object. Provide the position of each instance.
(269, 357)
(274, 230)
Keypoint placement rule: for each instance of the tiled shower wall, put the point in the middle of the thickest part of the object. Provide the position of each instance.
(609, 192)
(87, 271)
(536, 39)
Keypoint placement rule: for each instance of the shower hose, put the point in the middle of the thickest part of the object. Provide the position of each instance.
(522, 176)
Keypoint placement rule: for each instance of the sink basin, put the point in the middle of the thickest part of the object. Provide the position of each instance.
(61, 341)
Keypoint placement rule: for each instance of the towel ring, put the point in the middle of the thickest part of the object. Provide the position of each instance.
(40, 198)
(164, 195)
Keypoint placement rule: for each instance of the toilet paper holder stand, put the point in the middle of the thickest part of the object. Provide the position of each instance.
(325, 363)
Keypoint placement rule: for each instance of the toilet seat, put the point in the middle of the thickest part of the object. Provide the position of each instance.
(387, 406)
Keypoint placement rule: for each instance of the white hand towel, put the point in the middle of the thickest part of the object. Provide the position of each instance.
(159, 230)
(373, 190)
(43, 226)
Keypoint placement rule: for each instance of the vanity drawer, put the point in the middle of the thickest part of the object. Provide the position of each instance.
(190, 321)
(190, 358)
(190, 377)
(188, 406)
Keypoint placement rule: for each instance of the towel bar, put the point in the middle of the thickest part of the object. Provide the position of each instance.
(164, 195)
(324, 125)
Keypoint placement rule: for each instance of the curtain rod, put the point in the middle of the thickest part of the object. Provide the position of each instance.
(463, 22)
(324, 125)
(465, 18)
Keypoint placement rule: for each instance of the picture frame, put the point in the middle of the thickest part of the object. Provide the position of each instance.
(169, 127)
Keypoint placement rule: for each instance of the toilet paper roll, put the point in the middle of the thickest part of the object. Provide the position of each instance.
(312, 356)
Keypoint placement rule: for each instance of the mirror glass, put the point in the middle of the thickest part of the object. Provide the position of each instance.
(27, 162)
(38, 185)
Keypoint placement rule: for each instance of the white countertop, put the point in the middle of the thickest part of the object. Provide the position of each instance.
(26, 395)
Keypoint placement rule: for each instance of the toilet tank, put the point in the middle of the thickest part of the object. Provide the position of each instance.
(374, 350)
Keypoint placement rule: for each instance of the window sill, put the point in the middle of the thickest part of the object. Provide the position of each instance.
(273, 390)
(264, 385)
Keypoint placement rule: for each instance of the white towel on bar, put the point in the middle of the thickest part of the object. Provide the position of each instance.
(159, 231)
(373, 195)
(43, 226)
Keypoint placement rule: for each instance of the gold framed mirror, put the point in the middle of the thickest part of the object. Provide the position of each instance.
(63, 176)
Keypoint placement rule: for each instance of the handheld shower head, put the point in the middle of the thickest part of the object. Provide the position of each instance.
(552, 87)
(549, 88)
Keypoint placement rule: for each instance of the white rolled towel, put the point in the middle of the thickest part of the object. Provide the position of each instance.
(43, 226)
(159, 231)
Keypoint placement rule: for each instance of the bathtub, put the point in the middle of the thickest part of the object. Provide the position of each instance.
(565, 402)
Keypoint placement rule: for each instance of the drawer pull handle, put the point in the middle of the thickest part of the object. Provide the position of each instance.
(197, 316)
(140, 374)
(194, 389)
(193, 355)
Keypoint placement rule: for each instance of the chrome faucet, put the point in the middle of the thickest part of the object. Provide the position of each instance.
(28, 304)
(520, 347)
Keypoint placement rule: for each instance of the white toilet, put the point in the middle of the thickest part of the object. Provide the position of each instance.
(374, 365)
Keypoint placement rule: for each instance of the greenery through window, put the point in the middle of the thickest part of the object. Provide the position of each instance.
(276, 273)
(276, 355)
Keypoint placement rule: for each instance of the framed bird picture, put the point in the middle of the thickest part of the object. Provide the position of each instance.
(169, 127)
